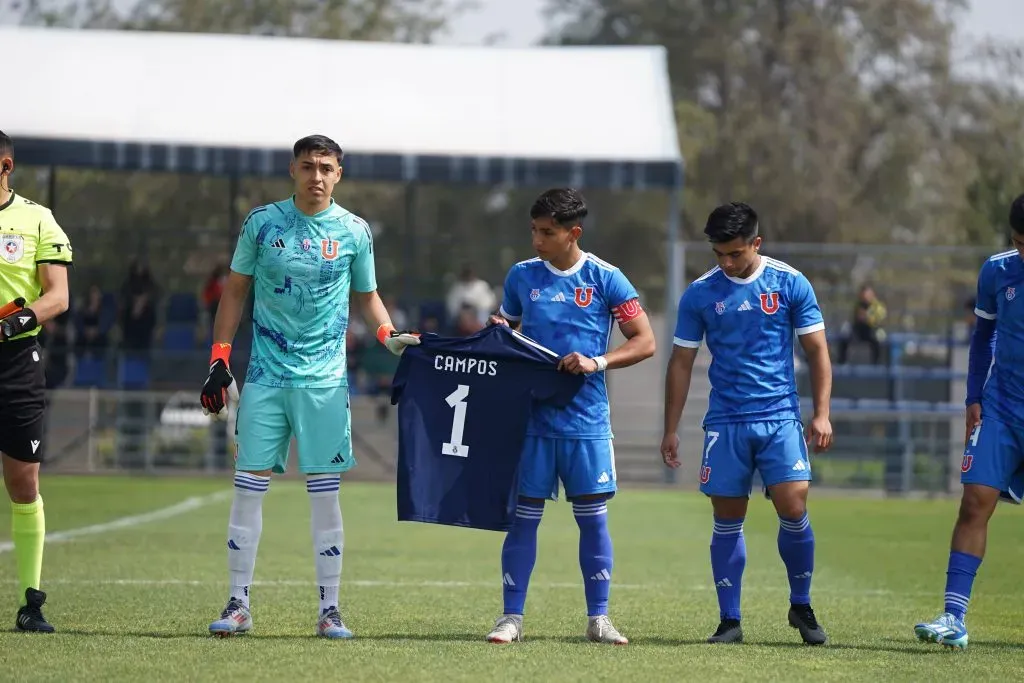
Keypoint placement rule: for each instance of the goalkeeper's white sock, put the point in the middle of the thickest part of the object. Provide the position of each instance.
(328, 535)
(244, 528)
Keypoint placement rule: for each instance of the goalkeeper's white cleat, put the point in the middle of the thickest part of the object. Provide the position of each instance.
(234, 620)
(331, 626)
(600, 630)
(508, 628)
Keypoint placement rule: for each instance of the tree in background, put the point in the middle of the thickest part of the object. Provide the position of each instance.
(840, 120)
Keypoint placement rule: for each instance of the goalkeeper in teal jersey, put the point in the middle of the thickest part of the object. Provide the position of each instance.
(303, 257)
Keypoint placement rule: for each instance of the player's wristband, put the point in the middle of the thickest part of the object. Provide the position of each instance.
(383, 332)
(222, 352)
(602, 363)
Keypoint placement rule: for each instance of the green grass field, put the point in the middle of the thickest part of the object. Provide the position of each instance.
(133, 602)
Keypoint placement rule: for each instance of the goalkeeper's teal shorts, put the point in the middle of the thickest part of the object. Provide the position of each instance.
(319, 419)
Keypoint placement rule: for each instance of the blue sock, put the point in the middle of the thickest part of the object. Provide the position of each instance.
(519, 554)
(959, 579)
(796, 548)
(595, 553)
(728, 559)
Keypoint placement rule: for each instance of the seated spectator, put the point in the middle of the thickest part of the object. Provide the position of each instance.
(866, 326)
(467, 322)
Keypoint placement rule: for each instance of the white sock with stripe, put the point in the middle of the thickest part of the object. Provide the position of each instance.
(328, 535)
(244, 528)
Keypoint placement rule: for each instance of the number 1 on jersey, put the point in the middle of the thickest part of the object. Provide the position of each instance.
(457, 400)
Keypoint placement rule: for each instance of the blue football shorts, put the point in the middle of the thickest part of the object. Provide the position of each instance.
(993, 455)
(734, 450)
(584, 466)
(319, 419)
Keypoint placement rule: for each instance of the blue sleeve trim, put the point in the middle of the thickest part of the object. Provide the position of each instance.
(980, 359)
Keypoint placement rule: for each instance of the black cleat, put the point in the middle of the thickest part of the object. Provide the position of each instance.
(802, 617)
(729, 631)
(30, 617)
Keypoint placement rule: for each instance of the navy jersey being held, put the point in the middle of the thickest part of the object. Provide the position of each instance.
(463, 408)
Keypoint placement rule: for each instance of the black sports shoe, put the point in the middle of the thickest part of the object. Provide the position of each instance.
(802, 617)
(729, 631)
(30, 617)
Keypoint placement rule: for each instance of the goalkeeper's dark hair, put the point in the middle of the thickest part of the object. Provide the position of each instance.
(563, 205)
(1017, 215)
(318, 144)
(732, 220)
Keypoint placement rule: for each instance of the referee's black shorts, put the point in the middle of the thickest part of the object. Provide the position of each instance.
(22, 399)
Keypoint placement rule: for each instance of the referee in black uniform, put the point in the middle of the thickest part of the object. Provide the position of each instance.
(34, 256)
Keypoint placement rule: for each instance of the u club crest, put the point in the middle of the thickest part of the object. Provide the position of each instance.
(1011, 293)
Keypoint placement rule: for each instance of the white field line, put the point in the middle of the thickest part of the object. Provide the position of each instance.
(358, 583)
(187, 505)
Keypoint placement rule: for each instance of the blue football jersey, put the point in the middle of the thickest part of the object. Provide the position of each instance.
(999, 299)
(567, 311)
(303, 269)
(463, 406)
(749, 326)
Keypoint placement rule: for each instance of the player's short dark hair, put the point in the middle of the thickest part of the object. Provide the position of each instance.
(1017, 215)
(732, 220)
(6, 145)
(563, 205)
(317, 144)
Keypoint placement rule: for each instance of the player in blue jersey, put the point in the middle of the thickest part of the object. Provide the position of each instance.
(748, 311)
(994, 438)
(302, 256)
(567, 300)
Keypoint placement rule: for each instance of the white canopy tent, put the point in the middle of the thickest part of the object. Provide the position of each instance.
(233, 105)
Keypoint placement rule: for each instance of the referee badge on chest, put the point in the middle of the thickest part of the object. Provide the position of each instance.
(13, 247)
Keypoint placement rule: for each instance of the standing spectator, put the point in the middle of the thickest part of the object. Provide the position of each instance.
(469, 290)
(866, 326)
(92, 328)
(213, 288)
(55, 339)
(138, 308)
(399, 318)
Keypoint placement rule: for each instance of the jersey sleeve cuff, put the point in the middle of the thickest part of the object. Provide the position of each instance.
(984, 314)
(816, 327)
(686, 343)
(508, 316)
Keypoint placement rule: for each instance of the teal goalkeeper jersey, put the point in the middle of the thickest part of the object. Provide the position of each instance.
(303, 269)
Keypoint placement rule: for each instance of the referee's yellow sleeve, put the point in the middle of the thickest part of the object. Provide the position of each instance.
(54, 246)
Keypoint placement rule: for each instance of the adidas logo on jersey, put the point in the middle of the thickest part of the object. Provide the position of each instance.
(745, 306)
(559, 297)
(799, 466)
(278, 243)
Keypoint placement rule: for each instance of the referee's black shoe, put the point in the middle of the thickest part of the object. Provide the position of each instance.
(30, 617)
